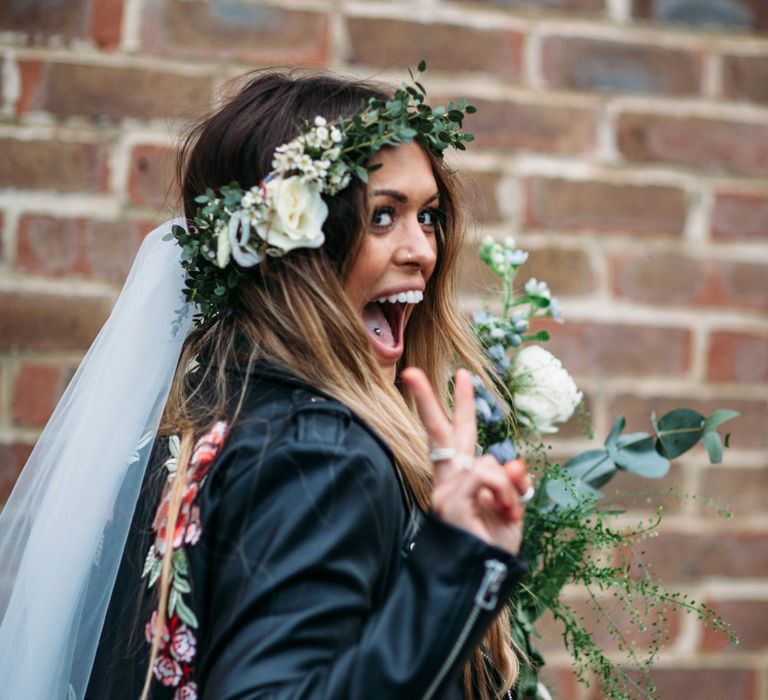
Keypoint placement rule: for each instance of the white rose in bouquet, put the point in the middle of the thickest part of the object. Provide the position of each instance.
(296, 216)
(545, 394)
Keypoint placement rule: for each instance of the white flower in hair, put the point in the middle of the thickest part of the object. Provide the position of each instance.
(239, 233)
(297, 215)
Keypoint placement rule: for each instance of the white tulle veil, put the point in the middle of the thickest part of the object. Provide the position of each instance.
(64, 527)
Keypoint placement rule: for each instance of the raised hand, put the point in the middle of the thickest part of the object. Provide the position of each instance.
(475, 493)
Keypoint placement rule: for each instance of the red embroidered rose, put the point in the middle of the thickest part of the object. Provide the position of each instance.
(151, 627)
(168, 671)
(194, 530)
(160, 523)
(183, 644)
(186, 692)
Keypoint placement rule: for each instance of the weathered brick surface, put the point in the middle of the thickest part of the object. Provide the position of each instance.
(706, 14)
(746, 78)
(99, 92)
(740, 217)
(516, 126)
(36, 389)
(600, 349)
(481, 189)
(13, 456)
(719, 145)
(53, 165)
(539, 6)
(236, 31)
(605, 207)
(739, 491)
(48, 322)
(613, 66)
(388, 43)
(679, 279)
(737, 357)
(747, 619)
(81, 247)
(151, 175)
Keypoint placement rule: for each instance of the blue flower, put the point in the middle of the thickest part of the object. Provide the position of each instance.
(503, 451)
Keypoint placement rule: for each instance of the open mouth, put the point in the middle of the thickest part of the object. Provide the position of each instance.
(384, 320)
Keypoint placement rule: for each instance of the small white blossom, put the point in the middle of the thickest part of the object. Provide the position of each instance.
(320, 121)
(336, 135)
(322, 133)
(533, 286)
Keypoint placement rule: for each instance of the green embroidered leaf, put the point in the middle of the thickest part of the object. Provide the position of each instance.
(185, 614)
(180, 563)
(173, 601)
(157, 568)
(149, 562)
(181, 584)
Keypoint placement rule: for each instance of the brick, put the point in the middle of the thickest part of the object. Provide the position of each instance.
(671, 278)
(568, 272)
(98, 21)
(449, 47)
(747, 431)
(712, 14)
(36, 390)
(682, 557)
(106, 23)
(537, 6)
(747, 621)
(481, 194)
(533, 127)
(740, 216)
(150, 178)
(651, 210)
(40, 321)
(612, 66)
(561, 682)
(250, 32)
(80, 247)
(741, 491)
(616, 349)
(13, 457)
(63, 166)
(698, 142)
(703, 683)
(105, 93)
(737, 357)
(745, 78)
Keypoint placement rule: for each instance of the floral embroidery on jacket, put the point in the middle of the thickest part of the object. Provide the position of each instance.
(178, 643)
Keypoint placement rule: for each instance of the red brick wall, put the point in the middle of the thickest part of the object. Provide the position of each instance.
(624, 142)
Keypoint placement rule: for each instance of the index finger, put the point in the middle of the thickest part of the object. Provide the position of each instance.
(430, 411)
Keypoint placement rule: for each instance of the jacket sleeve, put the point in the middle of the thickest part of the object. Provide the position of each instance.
(305, 539)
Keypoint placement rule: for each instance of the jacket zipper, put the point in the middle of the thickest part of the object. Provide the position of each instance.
(486, 597)
(508, 695)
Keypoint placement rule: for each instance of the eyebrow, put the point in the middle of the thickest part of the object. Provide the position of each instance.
(400, 197)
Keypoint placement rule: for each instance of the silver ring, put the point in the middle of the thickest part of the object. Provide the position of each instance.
(440, 454)
(527, 496)
(466, 462)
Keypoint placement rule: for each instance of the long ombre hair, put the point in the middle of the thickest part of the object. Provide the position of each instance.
(293, 312)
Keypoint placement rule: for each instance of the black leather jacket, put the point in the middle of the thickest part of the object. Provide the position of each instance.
(314, 578)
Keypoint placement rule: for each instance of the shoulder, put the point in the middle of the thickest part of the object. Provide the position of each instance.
(289, 429)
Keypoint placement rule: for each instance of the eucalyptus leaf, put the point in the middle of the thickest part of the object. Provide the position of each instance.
(719, 417)
(613, 436)
(714, 446)
(595, 467)
(569, 494)
(678, 431)
(637, 453)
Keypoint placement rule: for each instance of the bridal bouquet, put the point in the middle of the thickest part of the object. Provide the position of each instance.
(571, 536)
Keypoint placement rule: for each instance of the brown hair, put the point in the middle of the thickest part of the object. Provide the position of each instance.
(293, 312)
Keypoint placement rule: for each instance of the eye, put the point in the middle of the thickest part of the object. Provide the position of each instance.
(429, 218)
(383, 217)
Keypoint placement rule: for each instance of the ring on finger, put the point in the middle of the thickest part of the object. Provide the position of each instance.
(440, 454)
(527, 497)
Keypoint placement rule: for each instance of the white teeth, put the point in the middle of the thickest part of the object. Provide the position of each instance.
(412, 296)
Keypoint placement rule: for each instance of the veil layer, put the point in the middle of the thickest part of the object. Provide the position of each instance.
(64, 527)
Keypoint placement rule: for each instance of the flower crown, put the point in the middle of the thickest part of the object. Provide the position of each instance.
(233, 229)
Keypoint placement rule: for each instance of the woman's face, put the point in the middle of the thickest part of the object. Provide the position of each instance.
(399, 251)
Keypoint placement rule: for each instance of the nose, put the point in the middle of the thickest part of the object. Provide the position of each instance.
(417, 248)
